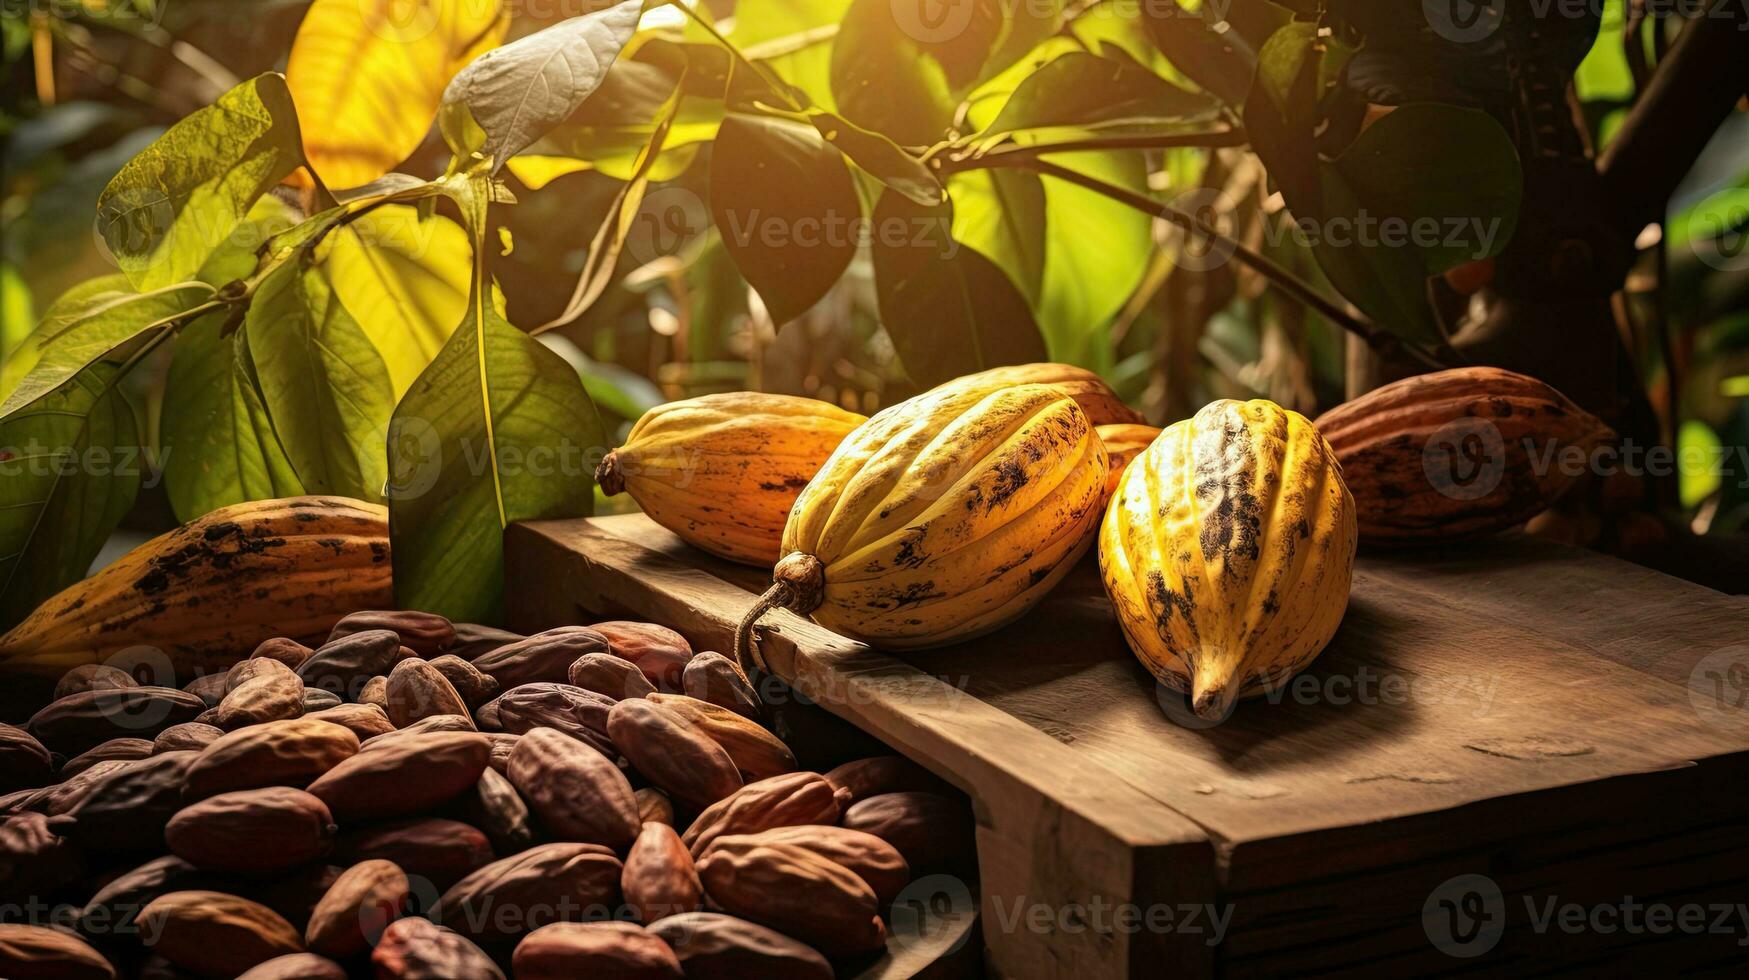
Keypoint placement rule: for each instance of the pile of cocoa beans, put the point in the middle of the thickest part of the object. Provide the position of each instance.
(434, 801)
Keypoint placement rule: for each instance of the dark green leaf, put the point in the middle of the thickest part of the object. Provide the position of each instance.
(949, 310)
(883, 80)
(179, 199)
(1081, 89)
(1208, 52)
(880, 157)
(787, 209)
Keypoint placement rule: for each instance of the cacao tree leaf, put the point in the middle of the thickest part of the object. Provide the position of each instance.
(176, 202)
(1216, 58)
(1001, 213)
(787, 209)
(794, 38)
(374, 71)
(70, 466)
(948, 310)
(218, 445)
(1080, 89)
(515, 94)
(883, 80)
(325, 385)
(66, 308)
(880, 157)
(610, 130)
(17, 314)
(497, 429)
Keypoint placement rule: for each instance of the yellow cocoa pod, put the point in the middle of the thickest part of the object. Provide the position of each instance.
(1228, 551)
(721, 471)
(1096, 398)
(1123, 443)
(945, 517)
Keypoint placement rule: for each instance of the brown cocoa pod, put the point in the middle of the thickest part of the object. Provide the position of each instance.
(789, 800)
(875, 861)
(417, 690)
(437, 850)
(757, 753)
(575, 792)
(718, 680)
(474, 687)
(473, 641)
(494, 806)
(503, 744)
(658, 651)
(564, 882)
(342, 666)
(426, 726)
(712, 946)
(127, 808)
(931, 830)
(419, 949)
(25, 763)
(879, 774)
(34, 860)
(214, 933)
(93, 677)
(565, 950)
(189, 736)
(253, 831)
(111, 912)
(210, 688)
(673, 753)
(279, 753)
(116, 748)
(283, 649)
(78, 722)
(542, 657)
(798, 893)
(606, 674)
(295, 966)
(351, 917)
(659, 879)
(397, 777)
(375, 691)
(654, 806)
(39, 953)
(428, 634)
(569, 709)
(362, 720)
(294, 894)
(316, 699)
(262, 690)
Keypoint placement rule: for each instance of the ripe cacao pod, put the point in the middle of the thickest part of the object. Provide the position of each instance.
(1227, 551)
(1098, 402)
(1122, 444)
(1457, 454)
(686, 463)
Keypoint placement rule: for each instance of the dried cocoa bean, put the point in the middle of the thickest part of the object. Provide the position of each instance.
(654, 806)
(932, 831)
(565, 950)
(400, 776)
(474, 687)
(486, 716)
(279, 753)
(712, 946)
(575, 792)
(210, 688)
(254, 831)
(564, 882)
(40, 953)
(375, 692)
(363, 720)
(261, 691)
(757, 753)
(124, 749)
(295, 966)
(190, 736)
(93, 677)
(571, 710)
(13, 802)
(718, 680)
(58, 798)
(215, 933)
(293, 895)
(502, 745)
(472, 641)
(351, 917)
(789, 800)
(86, 720)
(658, 651)
(418, 949)
(283, 649)
(798, 893)
(875, 861)
(659, 879)
(34, 860)
(433, 849)
(25, 763)
(671, 752)
(343, 665)
(494, 806)
(417, 690)
(316, 699)
(426, 726)
(111, 912)
(127, 808)
(879, 774)
(428, 634)
(542, 657)
(606, 674)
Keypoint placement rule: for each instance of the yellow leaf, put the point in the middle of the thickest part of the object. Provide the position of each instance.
(367, 77)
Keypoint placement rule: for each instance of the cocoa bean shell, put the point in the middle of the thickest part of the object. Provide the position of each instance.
(283, 649)
(713, 946)
(427, 726)
(578, 713)
(215, 933)
(673, 753)
(190, 736)
(125, 810)
(93, 677)
(575, 792)
(261, 691)
(878, 863)
(474, 687)
(30, 952)
(110, 914)
(494, 806)
(252, 831)
(427, 634)
(789, 800)
(659, 652)
(659, 879)
(351, 917)
(210, 688)
(863, 778)
(757, 753)
(295, 966)
(654, 806)
(798, 893)
(606, 674)
(433, 852)
(34, 859)
(316, 699)
(123, 749)
(363, 720)
(934, 832)
(82, 721)
(416, 690)
(542, 657)
(473, 641)
(566, 950)
(716, 679)
(418, 949)
(400, 776)
(25, 763)
(342, 665)
(291, 752)
(561, 882)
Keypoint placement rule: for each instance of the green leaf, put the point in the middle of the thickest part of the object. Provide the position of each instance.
(802, 30)
(73, 337)
(515, 94)
(1081, 89)
(1208, 52)
(70, 466)
(17, 313)
(883, 80)
(948, 310)
(218, 444)
(65, 309)
(610, 130)
(325, 386)
(1001, 213)
(786, 207)
(179, 199)
(497, 429)
(880, 157)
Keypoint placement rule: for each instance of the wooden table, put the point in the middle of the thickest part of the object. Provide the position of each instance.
(1563, 725)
